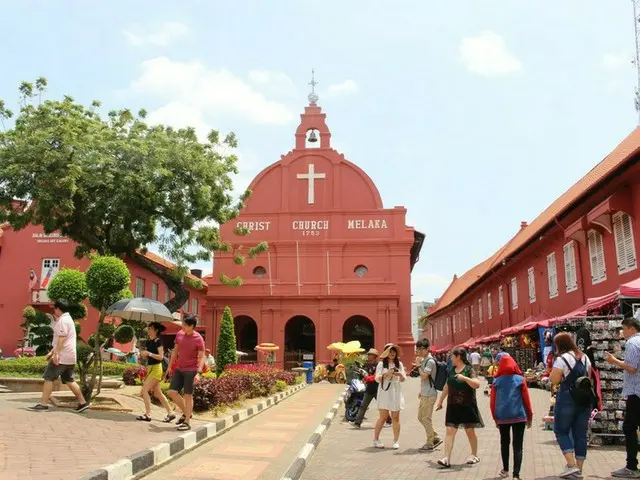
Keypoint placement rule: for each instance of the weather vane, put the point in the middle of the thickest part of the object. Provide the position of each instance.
(313, 96)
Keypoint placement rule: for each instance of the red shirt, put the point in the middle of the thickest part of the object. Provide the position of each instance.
(188, 348)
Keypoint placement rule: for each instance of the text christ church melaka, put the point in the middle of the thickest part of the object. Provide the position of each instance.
(338, 266)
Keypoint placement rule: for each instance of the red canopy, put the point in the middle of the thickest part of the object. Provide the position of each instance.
(630, 289)
(470, 343)
(494, 337)
(529, 323)
(445, 349)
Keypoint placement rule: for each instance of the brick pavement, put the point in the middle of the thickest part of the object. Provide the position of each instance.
(347, 453)
(261, 448)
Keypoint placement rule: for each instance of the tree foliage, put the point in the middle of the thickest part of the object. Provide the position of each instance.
(69, 285)
(115, 184)
(107, 280)
(226, 342)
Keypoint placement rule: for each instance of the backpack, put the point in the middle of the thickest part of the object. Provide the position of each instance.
(439, 380)
(581, 389)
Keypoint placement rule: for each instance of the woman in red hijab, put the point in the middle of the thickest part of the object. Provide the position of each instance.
(511, 410)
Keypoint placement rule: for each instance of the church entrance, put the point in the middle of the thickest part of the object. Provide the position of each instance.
(299, 341)
(359, 328)
(246, 330)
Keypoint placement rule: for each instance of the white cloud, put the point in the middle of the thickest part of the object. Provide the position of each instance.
(196, 92)
(615, 61)
(487, 54)
(161, 37)
(425, 286)
(276, 83)
(342, 89)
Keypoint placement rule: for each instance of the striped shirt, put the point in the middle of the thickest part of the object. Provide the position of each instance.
(632, 358)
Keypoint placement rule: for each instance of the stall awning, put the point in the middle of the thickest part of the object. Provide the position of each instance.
(527, 324)
(626, 290)
(494, 337)
(445, 349)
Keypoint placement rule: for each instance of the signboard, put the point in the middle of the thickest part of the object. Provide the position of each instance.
(307, 356)
(40, 296)
(313, 228)
(50, 238)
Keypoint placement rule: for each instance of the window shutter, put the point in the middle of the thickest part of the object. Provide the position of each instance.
(531, 277)
(570, 275)
(489, 312)
(625, 247)
(480, 309)
(500, 300)
(514, 293)
(552, 275)
(596, 257)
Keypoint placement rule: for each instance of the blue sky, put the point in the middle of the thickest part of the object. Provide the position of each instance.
(474, 114)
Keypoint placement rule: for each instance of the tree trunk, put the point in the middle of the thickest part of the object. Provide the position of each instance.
(177, 286)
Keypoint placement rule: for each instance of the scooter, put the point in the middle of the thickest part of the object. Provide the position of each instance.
(355, 394)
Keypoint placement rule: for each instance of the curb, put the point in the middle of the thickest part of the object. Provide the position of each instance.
(151, 458)
(300, 463)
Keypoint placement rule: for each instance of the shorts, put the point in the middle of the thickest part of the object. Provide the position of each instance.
(155, 372)
(183, 380)
(64, 372)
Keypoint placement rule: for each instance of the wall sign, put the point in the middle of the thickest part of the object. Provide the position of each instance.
(50, 238)
(376, 224)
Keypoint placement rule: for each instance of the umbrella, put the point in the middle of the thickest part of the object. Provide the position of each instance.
(338, 346)
(241, 354)
(142, 309)
(116, 351)
(267, 347)
(352, 347)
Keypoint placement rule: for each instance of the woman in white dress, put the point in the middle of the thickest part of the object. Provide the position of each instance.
(390, 374)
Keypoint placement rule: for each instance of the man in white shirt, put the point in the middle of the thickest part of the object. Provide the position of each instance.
(475, 358)
(62, 360)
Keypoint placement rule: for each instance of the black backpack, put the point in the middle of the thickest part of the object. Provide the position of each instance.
(581, 390)
(439, 380)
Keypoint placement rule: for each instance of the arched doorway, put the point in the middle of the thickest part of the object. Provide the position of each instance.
(246, 337)
(359, 328)
(299, 341)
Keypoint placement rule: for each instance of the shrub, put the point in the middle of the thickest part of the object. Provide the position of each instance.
(35, 366)
(281, 386)
(124, 334)
(133, 373)
(70, 285)
(107, 277)
(226, 342)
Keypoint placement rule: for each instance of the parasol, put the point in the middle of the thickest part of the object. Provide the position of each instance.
(267, 347)
(142, 309)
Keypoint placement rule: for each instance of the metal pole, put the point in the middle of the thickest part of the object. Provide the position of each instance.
(328, 276)
(269, 266)
(637, 58)
(298, 264)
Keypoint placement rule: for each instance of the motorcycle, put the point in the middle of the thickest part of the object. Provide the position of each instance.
(355, 394)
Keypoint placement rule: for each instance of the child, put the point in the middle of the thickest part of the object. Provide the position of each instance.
(491, 372)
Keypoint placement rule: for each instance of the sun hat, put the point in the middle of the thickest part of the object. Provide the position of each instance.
(388, 347)
(373, 351)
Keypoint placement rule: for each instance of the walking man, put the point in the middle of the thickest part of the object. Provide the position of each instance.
(189, 351)
(428, 394)
(631, 392)
(475, 361)
(371, 391)
(62, 359)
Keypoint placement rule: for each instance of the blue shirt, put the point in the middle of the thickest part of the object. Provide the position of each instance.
(632, 358)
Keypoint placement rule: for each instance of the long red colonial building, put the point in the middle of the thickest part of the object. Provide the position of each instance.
(583, 245)
(29, 259)
(338, 266)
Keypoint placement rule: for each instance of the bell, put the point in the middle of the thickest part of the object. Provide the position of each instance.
(312, 137)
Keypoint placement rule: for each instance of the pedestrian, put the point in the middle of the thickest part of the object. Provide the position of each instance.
(462, 406)
(209, 360)
(390, 374)
(571, 419)
(428, 394)
(631, 392)
(476, 359)
(189, 352)
(512, 412)
(154, 353)
(371, 391)
(62, 359)
(486, 361)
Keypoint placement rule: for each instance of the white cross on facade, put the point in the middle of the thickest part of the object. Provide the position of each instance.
(311, 176)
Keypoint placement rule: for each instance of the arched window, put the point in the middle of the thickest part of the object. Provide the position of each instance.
(360, 271)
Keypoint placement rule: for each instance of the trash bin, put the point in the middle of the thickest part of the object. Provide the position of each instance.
(309, 367)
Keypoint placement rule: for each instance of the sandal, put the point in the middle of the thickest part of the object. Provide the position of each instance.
(180, 420)
(169, 418)
(444, 462)
(503, 473)
(143, 418)
(472, 460)
(184, 427)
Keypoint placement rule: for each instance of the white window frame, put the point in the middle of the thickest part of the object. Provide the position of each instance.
(489, 308)
(471, 314)
(570, 269)
(141, 286)
(514, 293)
(185, 307)
(49, 263)
(480, 310)
(552, 275)
(500, 299)
(454, 322)
(625, 244)
(595, 242)
(531, 279)
(194, 306)
(154, 291)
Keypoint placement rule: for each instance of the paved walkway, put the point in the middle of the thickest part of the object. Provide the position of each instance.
(260, 448)
(347, 453)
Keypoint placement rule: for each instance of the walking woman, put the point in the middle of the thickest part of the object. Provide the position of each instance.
(154, 353)
(390, 374)
(511, 410)
(462, 406)
(571, 420)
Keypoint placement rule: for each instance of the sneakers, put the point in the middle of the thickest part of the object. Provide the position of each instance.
(503, 473)
(82, 408)
(626, 473)
(396, 445)
(378, 444)
(569, 471)
(39, 408)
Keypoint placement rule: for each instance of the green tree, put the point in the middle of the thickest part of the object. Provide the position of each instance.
(116, 185)
(226, 342)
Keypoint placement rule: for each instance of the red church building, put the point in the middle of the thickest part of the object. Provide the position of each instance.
(29, 259)
(338, 265)
(583, 245)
